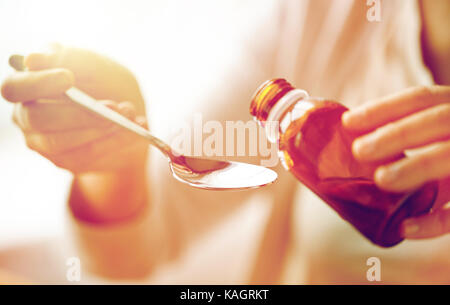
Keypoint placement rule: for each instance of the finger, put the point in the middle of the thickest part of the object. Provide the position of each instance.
(431, 225)
(127, 109)
(40, 61)
(79, 61)
(131, 155)
(87, 66)
(45, 116)
(142, 121)
(97, 75)
(417, 129)
(379, 112)
(61, 142)
(55, 116)
(97, 154)
(110, 104)
(431, 163)
(27, 86)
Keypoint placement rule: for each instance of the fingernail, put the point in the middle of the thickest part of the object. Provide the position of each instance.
(410, 228)
(346, 118)
(127, 109)
(385, 177)
(363, 148)
(352, 118)
(141, 120)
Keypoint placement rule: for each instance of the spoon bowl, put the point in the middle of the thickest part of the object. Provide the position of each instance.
(220, 175)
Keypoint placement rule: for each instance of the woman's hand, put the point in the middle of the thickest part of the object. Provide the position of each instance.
(63, 132)
(417, 119)
(107, 161)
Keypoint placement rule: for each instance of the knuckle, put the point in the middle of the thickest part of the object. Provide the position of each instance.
(32, 144)
(399, 133)
(126, 104)
(423, 91)
(59, 162)
(443, 113)
(435, 89)
(52, 144)
(424, 163)
(62, 160)
(126, 107)
(31, 118)
(439, 114)
(368, 115)
(66, 161)
(108, 103)
(39, 143)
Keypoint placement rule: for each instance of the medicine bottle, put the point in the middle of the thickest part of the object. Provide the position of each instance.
(316, 149)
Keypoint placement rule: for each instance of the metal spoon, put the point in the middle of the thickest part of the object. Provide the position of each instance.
(197, 172)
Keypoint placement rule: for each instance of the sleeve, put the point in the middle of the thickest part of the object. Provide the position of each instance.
(127, 249)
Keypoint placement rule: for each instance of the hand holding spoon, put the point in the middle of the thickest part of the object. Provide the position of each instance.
(197, 172)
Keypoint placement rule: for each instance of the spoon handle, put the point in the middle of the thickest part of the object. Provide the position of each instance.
(87, 102)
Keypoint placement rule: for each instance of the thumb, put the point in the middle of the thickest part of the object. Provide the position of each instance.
(431, 225)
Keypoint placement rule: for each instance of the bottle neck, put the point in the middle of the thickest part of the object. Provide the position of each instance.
(270, 104)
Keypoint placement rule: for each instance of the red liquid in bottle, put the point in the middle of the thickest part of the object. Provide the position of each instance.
(316, 149)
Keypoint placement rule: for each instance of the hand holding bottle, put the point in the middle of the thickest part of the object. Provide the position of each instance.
(317, 150)
(415, 118)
